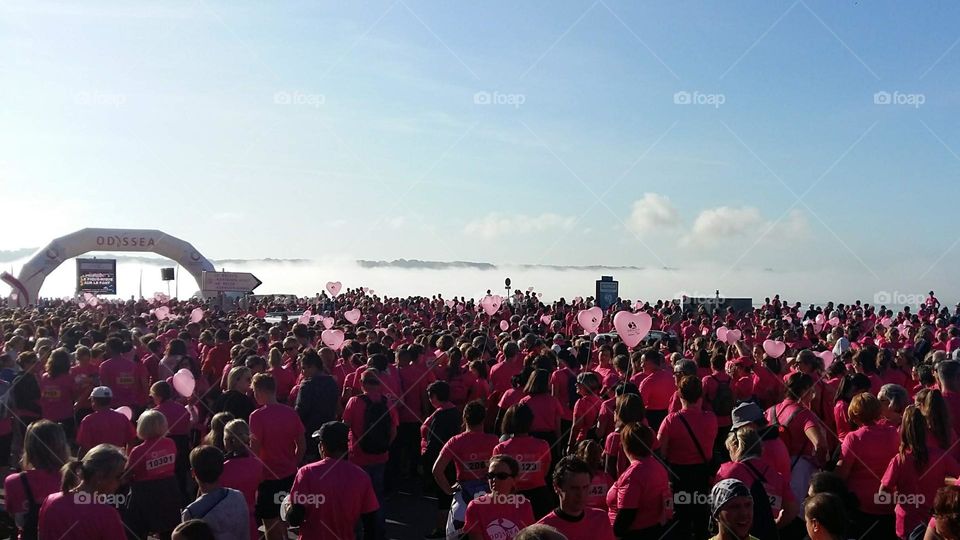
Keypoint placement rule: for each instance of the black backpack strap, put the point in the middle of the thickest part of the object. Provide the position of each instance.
(28, 493)
(693, 437)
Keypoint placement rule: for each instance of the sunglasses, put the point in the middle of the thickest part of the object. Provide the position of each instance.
(498, 476)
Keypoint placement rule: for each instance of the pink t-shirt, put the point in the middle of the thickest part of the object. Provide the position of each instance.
(470, 453)
(178, 418)
(42, 483)
(777, 487)
(546, 412)
(594, 524)
(152, 460)
(335, 493)
(681, 448)
(840, 419)
(105, 427)
(69, 517)
(510, 398)
(585, 413)
(497, 520)
(57, 396)
(775, 454)
(794, 436)
(865, 453)
(600, 484)
(917, 486)
(278, 429)
(657, 389)
(501, 374)
(560, 388)
(244, 474)
(120, 375)
(85, 378)
(644, 486)
(353, 415)
(711, 383)
(414, 379)
(953, 405)
(534, 457)
(285, 379)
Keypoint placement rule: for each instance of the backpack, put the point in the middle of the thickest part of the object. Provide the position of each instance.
(23, 394)
(376, 426)
(781, 428)
(6, 399)
(723, 401)
(764, 524)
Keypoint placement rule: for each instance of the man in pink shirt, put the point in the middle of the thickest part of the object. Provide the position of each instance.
(121, 375)
(501, 373)
(373, 427)
(330, 497)
(277, 437)
(104, 425)
(571, 480)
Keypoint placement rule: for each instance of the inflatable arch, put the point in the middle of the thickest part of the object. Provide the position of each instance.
(26, 288)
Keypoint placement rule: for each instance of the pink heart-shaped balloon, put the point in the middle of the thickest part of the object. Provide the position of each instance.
(363, 290)
(161, 313)
(491, 303)
(184, 383)
(529, 289)
(196, 315)
(632, 327)
(93, 301)
(733, 336)
(577, 299)
(546, 319)
(504, 325)
(126, 411)
(328, 322)
(821, 318)
(305, 318)
(449, 303)
(353, 315)
(722, 334)
(774, 348)
(834, 321)
(539, 295)
(332, 338)
(827, 357)
(589, 319)
(333, 287)
(886, 322)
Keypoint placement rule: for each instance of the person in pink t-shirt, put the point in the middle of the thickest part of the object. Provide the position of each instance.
(547, 411)
(586, 410)
(58, 392)
(686, 441)
(155, 497)
(640, 502)
(121, 375)
(84, 510)
(44, 452)
(591, 453)
(178, 420)
(532, 454)
(277, 438)
(104, 425)
(502, 513)
(657, 388)
(915, 474)
(241, 471)
(331, 497)
(864, 456)
(574, 518)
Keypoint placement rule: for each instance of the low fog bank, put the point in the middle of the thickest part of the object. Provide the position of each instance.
(307, 277)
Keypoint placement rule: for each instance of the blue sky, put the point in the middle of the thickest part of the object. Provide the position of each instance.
(361, 129)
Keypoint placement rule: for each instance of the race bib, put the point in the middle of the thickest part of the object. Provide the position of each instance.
(161, 461)
(529, 466)
(125, 379)
(476, 466)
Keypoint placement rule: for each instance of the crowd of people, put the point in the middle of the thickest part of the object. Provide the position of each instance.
(175, 419)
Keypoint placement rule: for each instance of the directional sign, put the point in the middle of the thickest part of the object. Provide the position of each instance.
(229, 281)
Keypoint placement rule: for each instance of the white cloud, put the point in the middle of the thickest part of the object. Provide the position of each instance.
(495, 224)
(651, 213)
(725, 223)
